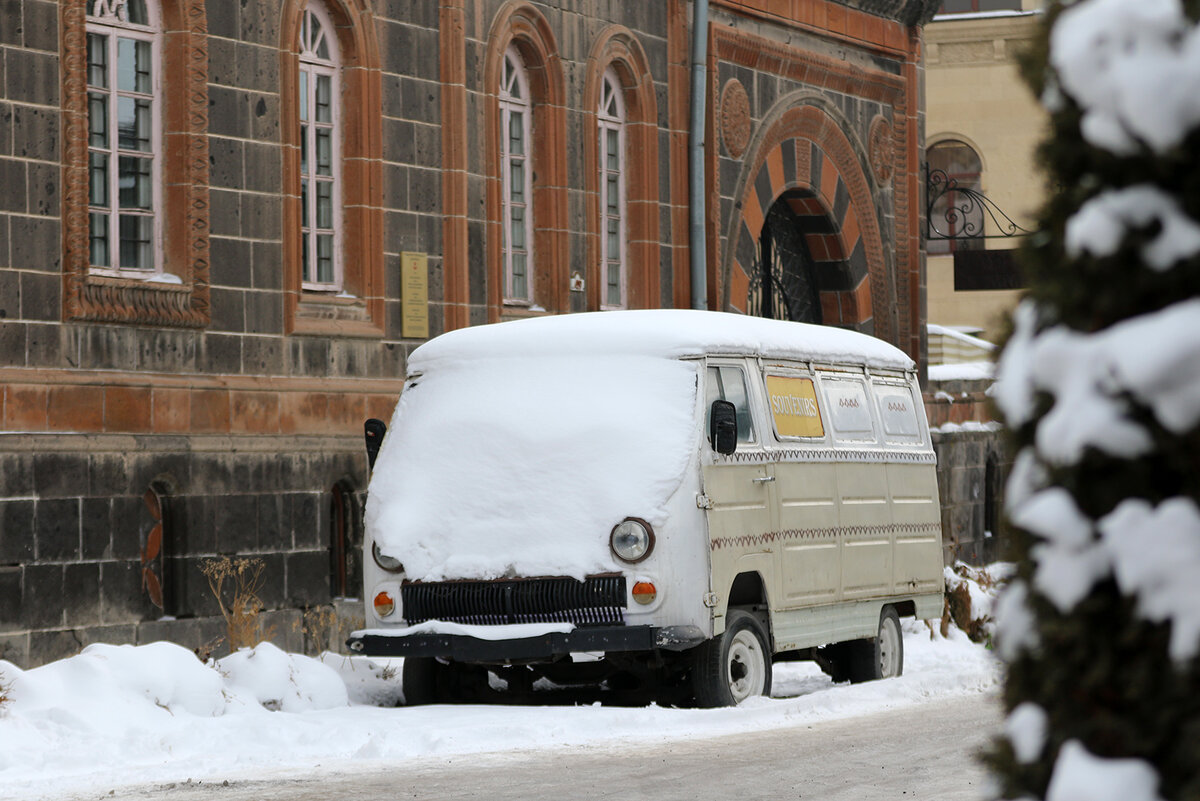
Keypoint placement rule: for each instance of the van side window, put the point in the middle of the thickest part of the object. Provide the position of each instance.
(849, 410)
(898, 412)
(729, 383)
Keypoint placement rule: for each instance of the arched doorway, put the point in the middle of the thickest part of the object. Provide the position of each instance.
(784, 282)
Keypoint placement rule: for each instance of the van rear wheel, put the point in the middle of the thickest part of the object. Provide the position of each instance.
(881, 657)
(728, 669)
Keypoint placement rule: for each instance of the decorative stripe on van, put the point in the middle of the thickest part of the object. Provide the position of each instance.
(846, 532)
(827, 455)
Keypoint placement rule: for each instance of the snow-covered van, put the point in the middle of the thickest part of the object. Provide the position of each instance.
(663, 501)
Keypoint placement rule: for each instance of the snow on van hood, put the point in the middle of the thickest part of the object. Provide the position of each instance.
(658, 332)
(520, 465)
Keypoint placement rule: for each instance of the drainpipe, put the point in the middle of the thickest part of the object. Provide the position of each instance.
(698, 245)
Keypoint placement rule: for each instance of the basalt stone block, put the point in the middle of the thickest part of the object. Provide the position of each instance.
(58, 475)
(58, 530)
(81, 594)
(308, 575)
(10, 599)
(41, 596)
(51, 646)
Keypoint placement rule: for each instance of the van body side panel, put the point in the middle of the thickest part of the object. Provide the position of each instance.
(866, 528)
(813, 626)
(810, 545)
(741, 522)
(918, 527)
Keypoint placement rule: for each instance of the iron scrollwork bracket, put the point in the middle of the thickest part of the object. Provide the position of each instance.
(964, 211)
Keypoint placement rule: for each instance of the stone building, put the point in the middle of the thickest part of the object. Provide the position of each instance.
(223, 225)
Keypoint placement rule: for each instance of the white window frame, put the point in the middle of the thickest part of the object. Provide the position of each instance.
(109, 18)
(514, 99)
(611, 120)
(312, 67)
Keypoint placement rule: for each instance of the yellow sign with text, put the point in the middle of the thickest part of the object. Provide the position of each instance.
(794, 406)
(414, 295)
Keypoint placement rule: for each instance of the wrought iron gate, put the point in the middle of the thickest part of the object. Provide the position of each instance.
(783, 282)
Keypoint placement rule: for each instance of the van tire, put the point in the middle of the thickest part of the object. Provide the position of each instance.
(734, 666)
(881, 657)
(423, 680)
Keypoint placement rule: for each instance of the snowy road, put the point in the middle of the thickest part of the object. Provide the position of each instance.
(920, 752)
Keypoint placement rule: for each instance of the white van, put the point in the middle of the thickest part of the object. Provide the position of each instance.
(666, 501)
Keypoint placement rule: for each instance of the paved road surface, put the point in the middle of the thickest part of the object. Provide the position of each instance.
(924, 752)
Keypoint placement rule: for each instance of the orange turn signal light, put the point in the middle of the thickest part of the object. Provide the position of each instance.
(384, 604)
(644, 592)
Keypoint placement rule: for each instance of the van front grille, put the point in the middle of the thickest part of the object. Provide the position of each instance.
(595, 601)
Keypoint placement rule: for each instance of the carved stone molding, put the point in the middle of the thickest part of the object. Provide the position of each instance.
(184, 209)
(881, 149)
(735, 118)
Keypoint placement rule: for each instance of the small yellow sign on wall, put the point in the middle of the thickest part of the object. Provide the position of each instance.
(794, 406)
(414, 295)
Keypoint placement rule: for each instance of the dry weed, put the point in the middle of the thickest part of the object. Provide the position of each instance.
(235, 583)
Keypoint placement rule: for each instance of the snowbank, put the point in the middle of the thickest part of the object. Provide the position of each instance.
(119, 716)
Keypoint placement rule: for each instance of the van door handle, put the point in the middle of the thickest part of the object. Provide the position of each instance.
(763, 480)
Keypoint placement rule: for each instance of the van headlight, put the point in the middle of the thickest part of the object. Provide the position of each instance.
(388, 563)
(632, 539)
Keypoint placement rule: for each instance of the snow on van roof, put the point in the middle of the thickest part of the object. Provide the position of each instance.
(671, 333)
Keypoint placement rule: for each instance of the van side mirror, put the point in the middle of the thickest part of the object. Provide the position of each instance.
(373, 431)
(722, 427)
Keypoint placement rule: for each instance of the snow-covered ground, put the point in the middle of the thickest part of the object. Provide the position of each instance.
(116, 716)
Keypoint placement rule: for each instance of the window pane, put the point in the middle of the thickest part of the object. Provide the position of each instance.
(98, 225)
(325, 258)
(316, 41)
(308, 270)
(516, 134)
(133, 180)
(614, 240)
(133, 65)
(516, 188)
(135, 11)
(614, 197)
(97, 60)
(614, 285)
(305, 220)
(324, 151)
(137, 231)
(98, 179)
(324, 98)
(518, 228)
(303, 96)
(520, 286)
(613, 149)
(133, 124)
(97, 120)
(304, 150)
(325, 204)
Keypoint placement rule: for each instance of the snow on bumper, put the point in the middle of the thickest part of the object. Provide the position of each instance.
(521, 643)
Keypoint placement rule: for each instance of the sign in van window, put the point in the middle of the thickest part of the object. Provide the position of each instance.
(898, 411)
(848, 410)
(794, 406)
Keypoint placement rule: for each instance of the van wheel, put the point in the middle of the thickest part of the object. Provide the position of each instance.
(881, 657)
(727, 670)
(425, 681)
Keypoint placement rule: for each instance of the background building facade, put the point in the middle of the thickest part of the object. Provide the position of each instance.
(224, 225)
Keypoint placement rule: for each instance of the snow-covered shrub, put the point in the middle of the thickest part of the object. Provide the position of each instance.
(971, 598)
(1100, 385)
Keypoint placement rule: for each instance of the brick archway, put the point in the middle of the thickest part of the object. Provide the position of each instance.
(806, 161)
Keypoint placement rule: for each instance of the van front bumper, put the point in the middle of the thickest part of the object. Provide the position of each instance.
(541, 648)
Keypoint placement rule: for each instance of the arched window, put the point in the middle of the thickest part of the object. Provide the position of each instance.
(345, 541)
(516, 113)
(949, 217)
(124, 137)
(611, 123)
(320, 152)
